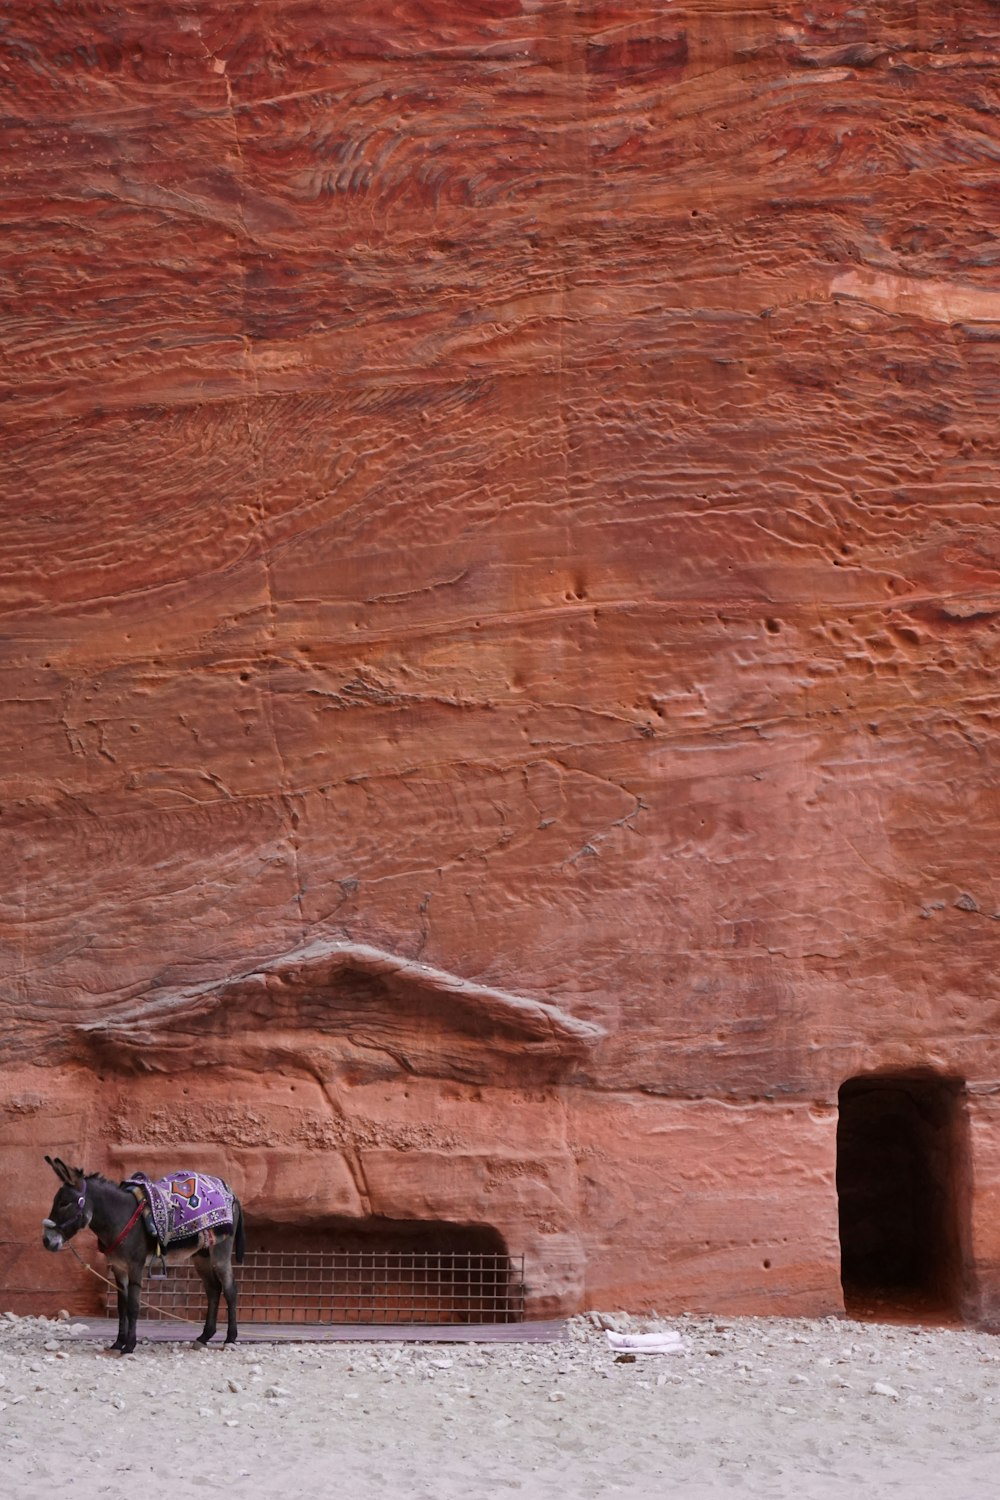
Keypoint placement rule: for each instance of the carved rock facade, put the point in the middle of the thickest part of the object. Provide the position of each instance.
(500, 608)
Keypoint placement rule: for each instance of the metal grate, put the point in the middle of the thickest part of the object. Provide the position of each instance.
(355, 1286)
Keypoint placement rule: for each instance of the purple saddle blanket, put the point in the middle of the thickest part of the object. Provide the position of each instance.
(185, 1204)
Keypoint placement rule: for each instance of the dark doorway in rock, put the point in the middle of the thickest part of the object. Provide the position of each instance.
(902, 1191)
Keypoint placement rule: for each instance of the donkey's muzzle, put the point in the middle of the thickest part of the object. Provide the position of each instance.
(51, 1238)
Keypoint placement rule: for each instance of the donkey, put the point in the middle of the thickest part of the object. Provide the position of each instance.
(90, 1201)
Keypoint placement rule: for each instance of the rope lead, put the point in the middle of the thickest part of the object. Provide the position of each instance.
(142, 1301)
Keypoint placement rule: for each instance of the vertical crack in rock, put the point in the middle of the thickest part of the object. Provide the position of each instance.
(350, 1147)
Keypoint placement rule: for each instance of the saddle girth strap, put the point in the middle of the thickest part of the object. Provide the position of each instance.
(110, 1249)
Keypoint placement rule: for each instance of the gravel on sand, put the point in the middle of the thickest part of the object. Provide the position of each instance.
(756, 1407)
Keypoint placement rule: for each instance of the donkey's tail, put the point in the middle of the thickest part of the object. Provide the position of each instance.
(240, 1244)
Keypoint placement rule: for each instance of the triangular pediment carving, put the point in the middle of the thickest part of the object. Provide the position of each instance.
(356, 1000)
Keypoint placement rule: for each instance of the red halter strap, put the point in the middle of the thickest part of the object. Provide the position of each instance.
(110, 1249)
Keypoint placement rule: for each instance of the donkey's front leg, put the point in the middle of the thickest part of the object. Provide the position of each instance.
(134, 1292)
(121, 1286)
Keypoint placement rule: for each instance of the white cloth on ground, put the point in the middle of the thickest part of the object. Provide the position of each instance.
(667, 1342)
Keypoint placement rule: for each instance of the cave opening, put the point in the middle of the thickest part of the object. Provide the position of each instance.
(902, 1188)
(381, 1271)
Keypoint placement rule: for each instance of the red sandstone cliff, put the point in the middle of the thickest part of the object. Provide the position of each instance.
(499, 614)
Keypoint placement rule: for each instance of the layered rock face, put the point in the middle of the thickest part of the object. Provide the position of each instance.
(500, 605)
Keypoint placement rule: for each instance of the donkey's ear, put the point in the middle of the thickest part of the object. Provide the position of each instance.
(58, 1167)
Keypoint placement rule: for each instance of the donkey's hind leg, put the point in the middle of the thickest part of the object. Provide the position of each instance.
(213, 1291)
(224, 1271)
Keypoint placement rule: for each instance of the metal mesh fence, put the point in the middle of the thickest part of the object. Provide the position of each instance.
(355, 1286)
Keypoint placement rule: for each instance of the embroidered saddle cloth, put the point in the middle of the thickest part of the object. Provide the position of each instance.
(185, 1204)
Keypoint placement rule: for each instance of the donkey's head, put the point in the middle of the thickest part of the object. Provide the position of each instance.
(70, 1211)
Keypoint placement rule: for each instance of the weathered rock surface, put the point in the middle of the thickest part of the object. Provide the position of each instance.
(499, 612)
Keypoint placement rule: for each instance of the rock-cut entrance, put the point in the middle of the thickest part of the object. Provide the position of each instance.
(902, 1187)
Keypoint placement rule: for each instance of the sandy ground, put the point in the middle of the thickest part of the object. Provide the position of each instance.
(751, 1407)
